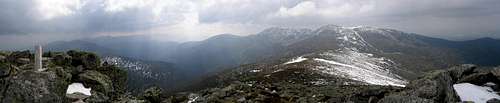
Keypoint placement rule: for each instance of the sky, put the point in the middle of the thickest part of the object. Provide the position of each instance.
(29, 22)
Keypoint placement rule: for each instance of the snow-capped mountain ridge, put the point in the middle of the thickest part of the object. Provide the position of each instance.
(285, 36)
(355, 58)
(350, 63)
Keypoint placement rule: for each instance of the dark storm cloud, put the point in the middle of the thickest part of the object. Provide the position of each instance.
(21, 17)
(439, 18)
(15, 16)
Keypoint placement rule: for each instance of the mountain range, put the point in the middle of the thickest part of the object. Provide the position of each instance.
(389, 56)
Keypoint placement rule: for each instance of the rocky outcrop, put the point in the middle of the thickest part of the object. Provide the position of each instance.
(4, 70)
(100, 83)
(19, 83)
(153, 94)
(404, 99)
(432, 87)
(88, 60)
(437, 86)
(34, 87)
(19, 57)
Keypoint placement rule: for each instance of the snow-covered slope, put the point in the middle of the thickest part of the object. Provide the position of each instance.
(357, 66)
(143, 69)
(132, 66)
(354, 58)
(348, 36)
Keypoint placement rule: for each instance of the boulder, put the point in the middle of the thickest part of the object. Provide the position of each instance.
(479, 78)
(494, 100)
(460, 71)
(18, 54)
(61, 59)
(496, 72)
(404, 99)
(437, 86)
(34, 87)
(98, 97)
(4, 70)
(87, 60)
(2, 58)
(153, 94)
(118, 77)
(76, 96)
(96, 80)
(23, 61)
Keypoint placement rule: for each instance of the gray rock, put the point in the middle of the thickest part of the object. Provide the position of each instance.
(457, 72)
(34, 87)
(437, 86)
(494, 100)
(153, 94)
(76, 96)
(96, 80)
(404, 99)
(4, 70)
(87, 60)
(97, 97)
(62, 59)
(478, 78)
(19, 54)
(496, 72)
(23, 61)
(2, 58)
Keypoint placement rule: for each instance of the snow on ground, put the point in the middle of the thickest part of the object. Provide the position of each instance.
(255, 70)
(357, 66)
(296, 60)
(350, 62)
(477, 94)
(193, 98)
(78, 87)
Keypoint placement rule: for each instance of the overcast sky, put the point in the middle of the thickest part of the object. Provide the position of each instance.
(28, 22)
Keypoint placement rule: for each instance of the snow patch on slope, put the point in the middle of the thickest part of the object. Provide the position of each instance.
(134, 66)
(357, 66)
(255, 70)
(477, 94)
(78, 87)
(295, 60)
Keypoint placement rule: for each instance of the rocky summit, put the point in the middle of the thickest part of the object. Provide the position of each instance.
(289, 82)
(20, 83)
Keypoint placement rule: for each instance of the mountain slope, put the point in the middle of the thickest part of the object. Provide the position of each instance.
(144, 74)
(392, 56)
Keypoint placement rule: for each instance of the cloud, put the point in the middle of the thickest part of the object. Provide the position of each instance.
(300, 9)
(183, 20)
(50, 9)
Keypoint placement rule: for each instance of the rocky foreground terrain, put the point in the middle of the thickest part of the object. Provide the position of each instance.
(20, 83)
(293, 85)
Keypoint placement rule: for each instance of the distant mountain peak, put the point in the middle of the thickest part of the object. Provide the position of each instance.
(284, 36)
(284, 31)
(222, 36)
(487, 38)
